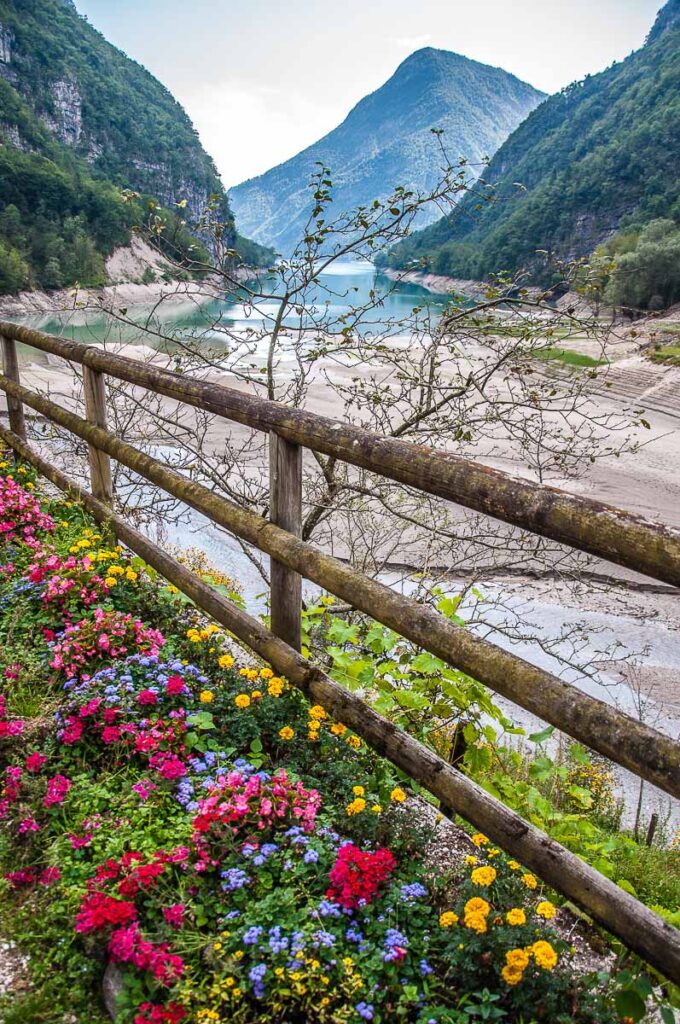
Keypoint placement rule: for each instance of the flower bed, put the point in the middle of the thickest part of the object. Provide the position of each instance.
(238, 854)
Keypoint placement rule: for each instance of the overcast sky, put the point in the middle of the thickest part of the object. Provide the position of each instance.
(262, 79)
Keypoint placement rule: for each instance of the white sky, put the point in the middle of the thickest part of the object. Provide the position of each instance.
(263, 79)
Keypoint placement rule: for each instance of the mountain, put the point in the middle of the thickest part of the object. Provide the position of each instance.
(79, 121)
(386, 140)
(603, 154)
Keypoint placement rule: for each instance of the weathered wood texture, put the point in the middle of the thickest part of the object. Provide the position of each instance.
(621, 914)
(15, 409)
(582, 523)
(285, 510)
(94, 386)
(623, 739)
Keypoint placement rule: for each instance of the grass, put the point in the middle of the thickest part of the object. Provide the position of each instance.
(569, 357)
(669, 355)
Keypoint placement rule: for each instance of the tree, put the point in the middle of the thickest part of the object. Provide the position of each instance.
(13, 269)
(646, 275)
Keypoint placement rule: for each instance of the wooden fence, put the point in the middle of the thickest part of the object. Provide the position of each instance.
(584, 524)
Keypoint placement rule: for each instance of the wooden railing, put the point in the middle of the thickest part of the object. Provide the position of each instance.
(587, 525)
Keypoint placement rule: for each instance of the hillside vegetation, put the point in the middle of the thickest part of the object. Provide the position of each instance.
(600, 155)
(386, 140)
(79, 122)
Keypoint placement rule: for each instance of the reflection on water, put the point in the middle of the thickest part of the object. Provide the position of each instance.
(344, 286)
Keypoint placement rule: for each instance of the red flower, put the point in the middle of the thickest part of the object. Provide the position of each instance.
(175, 685)
(34, 762)
(147, 697)
(174, 915)
(57, 788)
(99, 911)
(356, 875)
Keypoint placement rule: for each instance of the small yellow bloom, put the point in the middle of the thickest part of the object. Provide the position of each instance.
(477, 906)
(225, 661)
(354, 742)
(230, 982)
(479, 839)
(266, 673)
(131, 575)
(313, 725)
(471, 861)
(483, 876)
(448, 919)
(511, 976)
(317, 712)
(516, 916)
(217, 946)
(544, 955)
(286, 733)
(338, 729)
(111, 581)
(358, 790)
(206, 696)
(475, 921)
(242, 701)
(530, 881)
(376, 809)
(514, 865)
(517, 958)
(356, 806)
(546, 910)
(275, 687)
(398, 795)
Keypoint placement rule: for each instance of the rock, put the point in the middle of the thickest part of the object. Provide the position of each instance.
(112, 986)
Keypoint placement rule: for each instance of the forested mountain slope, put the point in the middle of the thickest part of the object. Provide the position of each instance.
(386, 141)
(602, 154)
(79, 121)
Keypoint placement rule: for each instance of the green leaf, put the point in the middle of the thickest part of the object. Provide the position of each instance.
(629, 1004)
(541, 737)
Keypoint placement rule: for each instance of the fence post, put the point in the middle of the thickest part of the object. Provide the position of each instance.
(101, 479)
(15, 408)
(285, 510)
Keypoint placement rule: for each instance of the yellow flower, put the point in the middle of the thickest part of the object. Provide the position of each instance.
(242, 701)
(286, 733)
(358, 790)
(516, 916)
(470, 861)
(356, 806)
(479, 840)
(492, 853)
(317, 712)
(354, 742)
(448, 919)
(511, 976)
(111, 581)
(313, 725)
(206, 696)
(483, 876)
(266, 673)
(398, 795)
(544, 955)
(313, 737)
(338, 729)
(244, 672)
(477, 906)
(477, 922)
(376, 809)
(275, 687)
(217, 946)
(225, 661)
(514, 865)
(546, 910)
(131, 575)
(230, 982)
(530, 881)
(517, 958)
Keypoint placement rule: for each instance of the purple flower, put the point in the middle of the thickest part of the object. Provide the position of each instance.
(364, 1010)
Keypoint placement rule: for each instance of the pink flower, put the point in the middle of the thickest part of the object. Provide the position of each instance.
(29, 824)
(110, 734)
(144, 789)
(34, 762)
(57, 788)
(147, 697)
(174, 915)
(175, 685)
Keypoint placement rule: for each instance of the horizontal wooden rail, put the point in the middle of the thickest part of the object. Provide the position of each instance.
(617, 736)
(599, 529)
(621, 914)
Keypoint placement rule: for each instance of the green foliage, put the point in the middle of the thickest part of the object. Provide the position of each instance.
(646, 273)
(61, 208)
(599, 155)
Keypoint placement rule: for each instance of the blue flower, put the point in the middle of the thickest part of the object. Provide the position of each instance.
(311, 857)
(364, 1010)
(234, 879)
(425, 968)
(328, 909)
(252, 935)
(414, 891)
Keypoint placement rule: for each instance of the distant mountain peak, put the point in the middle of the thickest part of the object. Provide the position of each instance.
(386, 140)
(667, 18)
